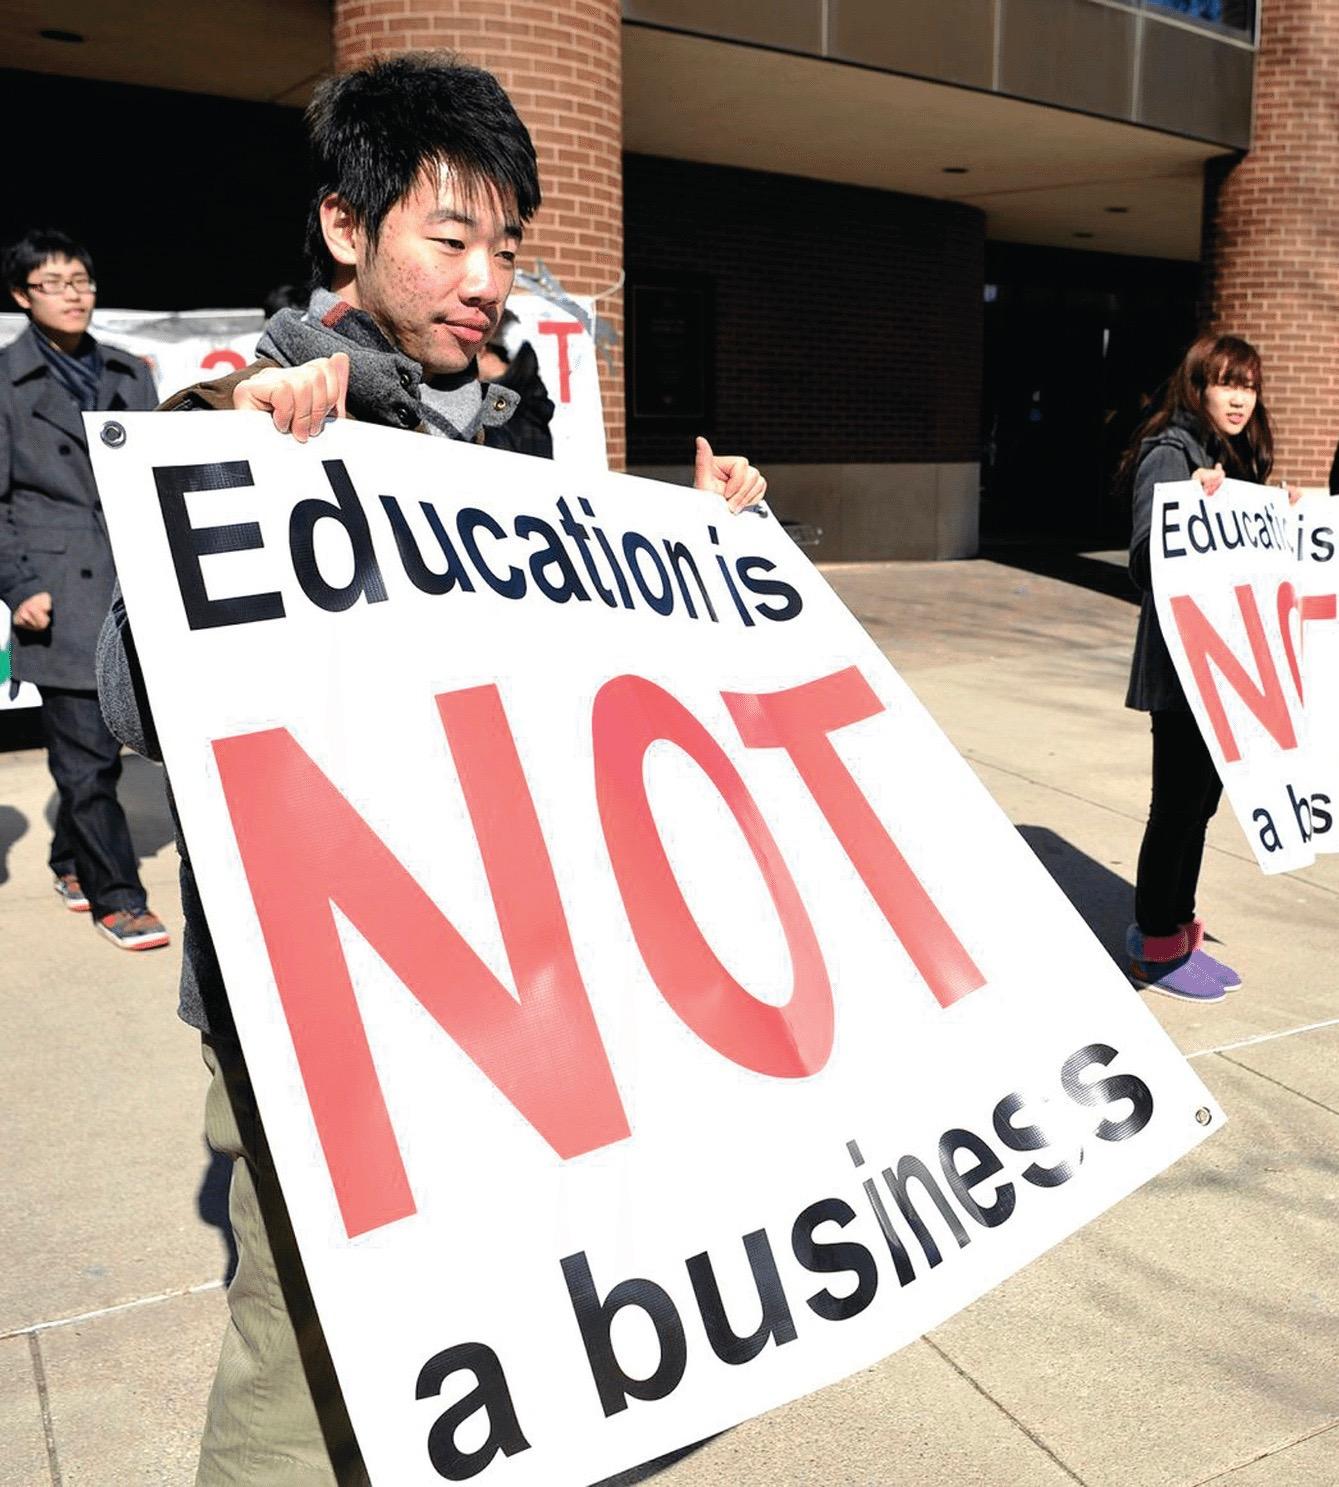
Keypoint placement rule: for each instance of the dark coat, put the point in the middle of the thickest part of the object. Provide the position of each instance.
(1174, 454)
(53, 538)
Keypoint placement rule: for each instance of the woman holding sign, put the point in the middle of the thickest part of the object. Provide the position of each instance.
(1210, 423)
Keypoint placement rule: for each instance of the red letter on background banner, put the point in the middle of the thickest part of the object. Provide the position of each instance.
(564, 330)
(304, 846)
(1203, 643)
(799, 721)
(789, 1042)
(1309, 607)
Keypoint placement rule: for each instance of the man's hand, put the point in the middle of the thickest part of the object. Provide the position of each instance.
(1210, 480)
(729, 475)
(297, 398)
(33, 613)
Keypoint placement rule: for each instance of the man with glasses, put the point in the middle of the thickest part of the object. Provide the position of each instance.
(56, 573)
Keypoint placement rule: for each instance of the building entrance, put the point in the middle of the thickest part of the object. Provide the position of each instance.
(1076, 346)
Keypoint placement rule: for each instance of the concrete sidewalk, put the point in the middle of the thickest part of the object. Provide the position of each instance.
(1189, 1336)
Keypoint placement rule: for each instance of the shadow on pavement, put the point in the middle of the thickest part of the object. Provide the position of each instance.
(1103, 898)
(211, 1203)
(1063, 563)
(13, 825)
(143, 796)
(649, 1469)
(20, 728)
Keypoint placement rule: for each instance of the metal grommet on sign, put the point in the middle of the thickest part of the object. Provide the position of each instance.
(1203, 1115)
(113, 434)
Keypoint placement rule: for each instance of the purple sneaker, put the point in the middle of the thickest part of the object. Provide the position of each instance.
(1226, 977)
(1166, 963)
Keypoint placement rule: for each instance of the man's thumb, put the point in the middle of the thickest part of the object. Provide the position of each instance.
(704, 460)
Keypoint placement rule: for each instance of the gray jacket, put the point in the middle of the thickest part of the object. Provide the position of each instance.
(52, 535)
(1174, 454)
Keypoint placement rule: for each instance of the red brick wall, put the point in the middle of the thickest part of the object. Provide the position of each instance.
(561, 62)
(1272, 240)
(848, 322)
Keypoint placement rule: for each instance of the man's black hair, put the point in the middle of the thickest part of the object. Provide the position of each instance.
(375, 133)
(33, 249)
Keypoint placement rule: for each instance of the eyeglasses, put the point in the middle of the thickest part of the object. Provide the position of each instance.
(81, 284)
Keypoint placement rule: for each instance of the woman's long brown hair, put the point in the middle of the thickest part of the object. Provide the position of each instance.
(1248, 455)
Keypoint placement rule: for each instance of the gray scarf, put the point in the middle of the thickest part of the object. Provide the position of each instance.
(385, 385)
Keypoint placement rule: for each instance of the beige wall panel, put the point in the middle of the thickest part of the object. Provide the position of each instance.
(1193, 83)
(1071, 53)
(951, 40)
(793, 25)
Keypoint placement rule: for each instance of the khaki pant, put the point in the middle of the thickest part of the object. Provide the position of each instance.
(276, 1417)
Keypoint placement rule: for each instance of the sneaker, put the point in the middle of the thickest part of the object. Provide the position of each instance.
(1227, 978)
(72, 895)
(133, 929)
(1166, 963)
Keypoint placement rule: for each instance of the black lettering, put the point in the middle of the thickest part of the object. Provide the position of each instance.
(596, 1318)
(426, 580)
(347, 510)
(552, 556)
(1168, 527)
(624, 592)
(1322, 544)
(776, 1323)
(679, 556)
(634, 543)
(833, 1257)
(490, 1393)
(189, 544)
(775, 588)
(1107, 1092)
(1321, 819)
(1268, 832)
(1301, 813)
(468, 521)
(1198, 521)
(581, 537)
(987, 1165)
(1030, 1138)
(912, 1169)
(901, 1260)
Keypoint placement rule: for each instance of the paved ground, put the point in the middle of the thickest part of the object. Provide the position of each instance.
(1189, 1336)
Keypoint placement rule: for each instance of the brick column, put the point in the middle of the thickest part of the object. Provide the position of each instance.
(561, 62)
(1272, 234)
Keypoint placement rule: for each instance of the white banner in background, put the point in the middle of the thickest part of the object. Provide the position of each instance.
(198, 345)
(642, 996)
(1245, 587)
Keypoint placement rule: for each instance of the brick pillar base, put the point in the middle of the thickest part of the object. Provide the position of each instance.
(561, 62)
(1272, 247)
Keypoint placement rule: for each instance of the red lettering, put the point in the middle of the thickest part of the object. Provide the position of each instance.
(1309, 607)
(799, 720)
(564, 330)
(630, 715)
(304, 847)
(222, 357)
(1204, 644)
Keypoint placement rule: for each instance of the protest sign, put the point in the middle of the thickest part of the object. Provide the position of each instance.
(1245, 588)
(652, 1015)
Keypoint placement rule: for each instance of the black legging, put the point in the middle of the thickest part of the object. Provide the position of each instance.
(1186, 791)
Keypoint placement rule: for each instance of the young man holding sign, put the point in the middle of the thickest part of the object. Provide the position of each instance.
(426, 177)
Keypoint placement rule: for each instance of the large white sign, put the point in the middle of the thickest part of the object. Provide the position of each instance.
(653, 1017)
(1245, 588)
